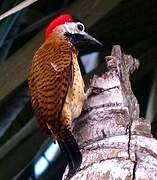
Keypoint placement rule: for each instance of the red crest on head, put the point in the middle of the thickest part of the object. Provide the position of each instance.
(56, 22)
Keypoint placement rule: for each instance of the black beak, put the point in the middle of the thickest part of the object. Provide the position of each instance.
(88, 38)
(83, 37)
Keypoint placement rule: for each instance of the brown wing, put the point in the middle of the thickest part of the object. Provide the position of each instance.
(49, 79)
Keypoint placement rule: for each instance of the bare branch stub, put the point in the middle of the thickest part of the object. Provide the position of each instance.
(115, 142)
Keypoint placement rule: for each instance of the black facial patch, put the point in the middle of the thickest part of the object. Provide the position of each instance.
(74, 38)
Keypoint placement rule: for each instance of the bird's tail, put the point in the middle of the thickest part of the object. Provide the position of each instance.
(71, 150)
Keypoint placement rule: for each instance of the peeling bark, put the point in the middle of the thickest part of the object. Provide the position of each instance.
(115, 142)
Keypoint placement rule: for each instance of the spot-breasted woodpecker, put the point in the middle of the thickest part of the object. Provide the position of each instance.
(56, 85)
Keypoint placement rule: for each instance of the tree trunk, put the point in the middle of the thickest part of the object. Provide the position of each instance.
(114, 141)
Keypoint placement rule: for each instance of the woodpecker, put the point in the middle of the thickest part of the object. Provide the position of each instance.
(56, 85)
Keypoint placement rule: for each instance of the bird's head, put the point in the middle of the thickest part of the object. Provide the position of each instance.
(71, 29)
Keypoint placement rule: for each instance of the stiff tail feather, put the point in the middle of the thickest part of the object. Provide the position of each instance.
(73, 155)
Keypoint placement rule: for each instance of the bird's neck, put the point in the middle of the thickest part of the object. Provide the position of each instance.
(58, 38)
(60, 41)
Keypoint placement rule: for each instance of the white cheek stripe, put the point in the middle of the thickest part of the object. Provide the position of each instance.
(72, 28)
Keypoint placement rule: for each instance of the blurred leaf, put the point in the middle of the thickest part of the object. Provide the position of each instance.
(152, 103)
(10, 109)
(8, 28)
(38, 24)
(154, 126)
(20, 149)
(17, 8)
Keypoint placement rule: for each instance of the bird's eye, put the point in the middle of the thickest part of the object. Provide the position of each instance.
(80, 27)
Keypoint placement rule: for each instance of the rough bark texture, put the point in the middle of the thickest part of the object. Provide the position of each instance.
(115, 142)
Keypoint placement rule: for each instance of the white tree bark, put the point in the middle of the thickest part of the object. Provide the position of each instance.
(115, 142)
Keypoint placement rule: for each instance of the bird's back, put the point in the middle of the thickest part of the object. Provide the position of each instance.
(49, 78)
